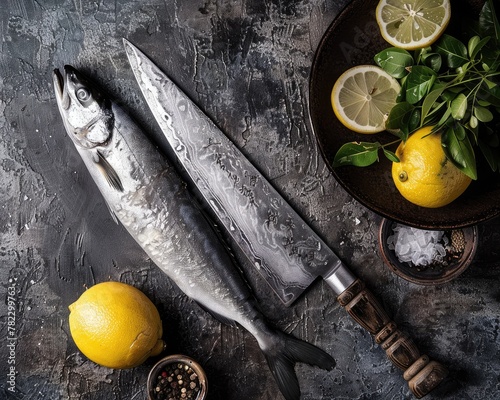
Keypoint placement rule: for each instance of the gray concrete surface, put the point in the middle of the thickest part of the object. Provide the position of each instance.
(246, 63)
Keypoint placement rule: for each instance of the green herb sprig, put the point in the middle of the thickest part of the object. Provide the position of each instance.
(452, 85)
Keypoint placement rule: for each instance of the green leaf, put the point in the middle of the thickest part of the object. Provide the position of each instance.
(436, 111)
(459, 106)
(445, 118)
(419, 53)
(460, 152)
(394, 61)
(473, 42)
(414, 121)
(490, 58)
(456, 89)
(489, 83)
(490, 95)
(399, 115)
(460, 132)
(418, 83)
(473, 130)
(432, 60)
(391, 155)
(401, 95)
(452, 50)
(483, 114)
(359, 154)
(473, 122)
(476, 44)
(449, 95)
(488, 21)
(430, 101)
(483, 103)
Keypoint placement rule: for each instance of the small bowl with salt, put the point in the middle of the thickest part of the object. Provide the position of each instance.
(426, 257)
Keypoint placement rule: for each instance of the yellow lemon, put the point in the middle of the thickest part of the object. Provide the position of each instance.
(363, 96)
(116, 325)
(412, 24)
(424, 174)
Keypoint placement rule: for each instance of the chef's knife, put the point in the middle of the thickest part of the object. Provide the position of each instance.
(285, 250)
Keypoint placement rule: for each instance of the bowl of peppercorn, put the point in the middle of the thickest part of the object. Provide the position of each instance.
(427, 257)
(177, 377)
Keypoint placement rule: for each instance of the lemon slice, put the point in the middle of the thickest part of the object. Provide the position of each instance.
(412, 24)
(363, 96)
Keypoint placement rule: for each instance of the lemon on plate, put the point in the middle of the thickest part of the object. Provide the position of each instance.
(363, 96)
(116, 325)
(424, 175)
(412, 24)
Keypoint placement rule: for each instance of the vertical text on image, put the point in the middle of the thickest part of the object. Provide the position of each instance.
(11, 338)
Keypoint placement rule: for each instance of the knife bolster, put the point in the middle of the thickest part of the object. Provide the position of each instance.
(422, 374)
(340, 278)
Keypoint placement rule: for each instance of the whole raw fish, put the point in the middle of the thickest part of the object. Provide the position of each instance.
(145, 193)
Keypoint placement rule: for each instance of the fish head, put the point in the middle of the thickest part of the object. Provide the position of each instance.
(85, 110)
(88, 117)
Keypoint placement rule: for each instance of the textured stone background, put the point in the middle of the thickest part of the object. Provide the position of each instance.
(246, 63)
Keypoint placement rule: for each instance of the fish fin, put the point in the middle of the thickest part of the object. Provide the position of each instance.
(109, 172)
(218, 317)
(285, 353)
(113, 215)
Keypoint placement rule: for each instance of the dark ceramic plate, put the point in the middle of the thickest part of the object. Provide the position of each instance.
(352, 39)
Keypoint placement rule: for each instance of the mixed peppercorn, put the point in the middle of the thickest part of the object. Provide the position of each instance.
(177, 381)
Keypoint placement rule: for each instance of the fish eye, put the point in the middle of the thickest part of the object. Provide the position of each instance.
(83, 94)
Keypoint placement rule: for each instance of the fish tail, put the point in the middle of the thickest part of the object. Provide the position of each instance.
(282, 356)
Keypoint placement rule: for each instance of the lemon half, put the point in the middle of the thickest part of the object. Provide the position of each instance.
(363, 96)
(412, 24)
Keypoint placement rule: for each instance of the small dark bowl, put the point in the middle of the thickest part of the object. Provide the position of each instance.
(352, 39)
(428, 276)
(177, 359)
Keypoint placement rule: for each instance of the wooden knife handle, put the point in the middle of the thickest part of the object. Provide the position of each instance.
(422, 374)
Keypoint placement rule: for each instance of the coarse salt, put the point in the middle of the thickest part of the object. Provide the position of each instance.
(416, 246)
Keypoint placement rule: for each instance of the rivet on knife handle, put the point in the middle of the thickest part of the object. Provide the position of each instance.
(422, 374)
